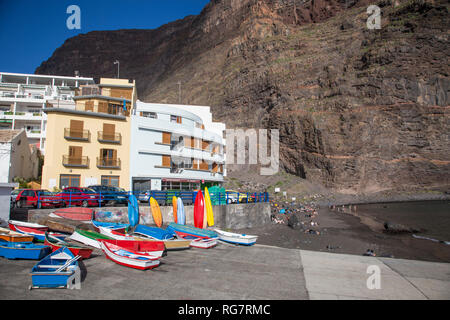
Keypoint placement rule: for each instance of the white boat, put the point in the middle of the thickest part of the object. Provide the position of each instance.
(203, 243)
(129, 258)
(237, 238)
(89, 238)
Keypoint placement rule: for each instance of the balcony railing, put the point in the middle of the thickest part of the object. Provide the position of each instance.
(81, 135)
(79, 162)
(109, 137)
(108, 163)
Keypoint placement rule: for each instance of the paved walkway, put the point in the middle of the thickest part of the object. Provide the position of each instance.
(229, 272)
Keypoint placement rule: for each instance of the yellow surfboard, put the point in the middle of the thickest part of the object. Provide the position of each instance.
(208, 208)
(174, 204)
(156, 212)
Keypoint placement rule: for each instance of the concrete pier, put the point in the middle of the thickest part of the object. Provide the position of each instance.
(242, 273)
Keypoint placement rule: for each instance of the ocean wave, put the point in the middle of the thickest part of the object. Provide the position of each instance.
(435, 240)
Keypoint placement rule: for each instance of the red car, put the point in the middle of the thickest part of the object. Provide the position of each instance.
(74, 196)
(38, 199)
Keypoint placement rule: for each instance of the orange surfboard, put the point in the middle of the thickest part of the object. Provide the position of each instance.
(174, 204)
(156, 212)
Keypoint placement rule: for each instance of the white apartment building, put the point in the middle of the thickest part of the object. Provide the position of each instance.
(175, 147)
(23, 96)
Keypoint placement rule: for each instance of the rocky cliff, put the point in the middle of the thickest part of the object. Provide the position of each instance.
(358, 110)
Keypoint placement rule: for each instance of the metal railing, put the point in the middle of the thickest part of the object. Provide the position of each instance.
(164, 198)
(109, 163)
(69, 161)
(109, 137)
(71, 134)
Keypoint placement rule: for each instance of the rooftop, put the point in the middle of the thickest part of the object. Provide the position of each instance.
(8, 135)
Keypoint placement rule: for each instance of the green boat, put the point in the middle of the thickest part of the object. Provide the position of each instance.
(89, 237)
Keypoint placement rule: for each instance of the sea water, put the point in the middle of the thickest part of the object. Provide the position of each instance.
(432, 218)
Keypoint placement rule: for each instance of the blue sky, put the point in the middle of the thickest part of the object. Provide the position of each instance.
(30, 30)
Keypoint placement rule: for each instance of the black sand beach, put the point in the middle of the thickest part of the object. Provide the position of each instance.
(346, 231)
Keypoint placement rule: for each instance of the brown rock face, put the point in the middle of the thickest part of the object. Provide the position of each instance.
(358, 110)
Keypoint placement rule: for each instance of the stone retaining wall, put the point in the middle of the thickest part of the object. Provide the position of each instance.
(233, 216)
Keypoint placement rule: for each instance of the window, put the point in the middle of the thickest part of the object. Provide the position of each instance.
(69, 180)
(173, 118)
(110, 181)
(147, 114)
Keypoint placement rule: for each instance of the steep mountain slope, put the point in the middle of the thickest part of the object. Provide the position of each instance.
(358, 110)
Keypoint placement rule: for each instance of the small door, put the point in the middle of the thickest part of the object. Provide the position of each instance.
(166, 161)
(76, 128)
(75, 155)
(109, 131)
(166, 137)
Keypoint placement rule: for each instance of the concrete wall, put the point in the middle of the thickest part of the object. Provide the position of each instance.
(235, 216)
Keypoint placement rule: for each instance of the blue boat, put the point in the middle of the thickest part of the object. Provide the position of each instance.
(189, 232)
(110, 225)
(57, 270)
(154, 232)
(23, 250)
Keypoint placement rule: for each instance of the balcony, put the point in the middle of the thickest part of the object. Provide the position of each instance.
(115, 138)
(79, 135)
(108, 163)
(77, 162)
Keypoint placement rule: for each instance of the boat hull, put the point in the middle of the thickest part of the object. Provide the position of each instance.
(85, 253)
(23, 250)
(129, 262)
(199, 210)
(13, 236)
(90, 239)
(190, 232)
(44, 274)
(236, 238)
(75, 213)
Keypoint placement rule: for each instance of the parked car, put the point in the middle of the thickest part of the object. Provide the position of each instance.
(37, 199)
(74, 196)
(144, 196)
(232, 196)
(112, 195)
(14, 194)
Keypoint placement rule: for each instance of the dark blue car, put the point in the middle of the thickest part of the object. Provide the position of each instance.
(112, 195)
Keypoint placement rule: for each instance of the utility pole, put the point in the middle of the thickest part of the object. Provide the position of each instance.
(118, 68)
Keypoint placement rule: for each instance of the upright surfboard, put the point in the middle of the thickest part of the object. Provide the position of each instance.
(133, 210)
(209, 209)
(174, 205)
(156, 212)
(181, 216)
(199, 210)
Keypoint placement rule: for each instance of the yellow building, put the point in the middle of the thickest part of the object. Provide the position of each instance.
(89, 143)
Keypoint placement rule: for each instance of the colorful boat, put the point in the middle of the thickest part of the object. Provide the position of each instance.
(208, 208)
(174, 206)
(154, 232)
(23, 250)
(157, 247)
(57, 270)
(36, 230)
(199, 210)
(243, 239)
(203, 243)
(189, 232)
(76, 250)
(181, 215)
(26, 226)
(112, 225)
(89, 238)
(75, 213)
(128, 257)
(13, 236)
(156, 212)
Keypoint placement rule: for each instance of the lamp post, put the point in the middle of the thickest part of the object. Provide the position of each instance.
(118, 68)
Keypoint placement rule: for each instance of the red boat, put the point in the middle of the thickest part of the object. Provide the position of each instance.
(56, 244)
(199, 210)
(155, 248)
(26, 226)
(75, 213)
